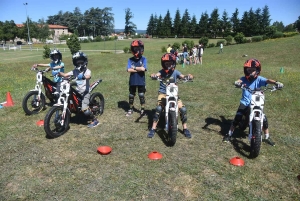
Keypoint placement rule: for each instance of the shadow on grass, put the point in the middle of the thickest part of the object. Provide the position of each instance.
(224, 124)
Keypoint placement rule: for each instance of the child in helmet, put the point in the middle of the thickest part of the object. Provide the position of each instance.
(56, 65)
(83, 75)
(168, 62)
(136, 66)
(252, 79)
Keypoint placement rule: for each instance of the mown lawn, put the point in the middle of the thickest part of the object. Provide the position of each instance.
(34, 167)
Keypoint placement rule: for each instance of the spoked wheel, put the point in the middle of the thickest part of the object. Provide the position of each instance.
(97, 103)
(32, 104)
(172, 130)
(53, 125)
(256, 139)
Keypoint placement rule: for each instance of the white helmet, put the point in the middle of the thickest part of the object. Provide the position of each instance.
(54, 58)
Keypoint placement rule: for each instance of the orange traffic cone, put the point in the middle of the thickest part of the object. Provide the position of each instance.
(9, 101)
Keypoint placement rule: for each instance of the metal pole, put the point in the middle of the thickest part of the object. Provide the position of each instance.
(25, 4)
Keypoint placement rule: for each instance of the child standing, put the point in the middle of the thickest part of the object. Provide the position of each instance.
(136, 66)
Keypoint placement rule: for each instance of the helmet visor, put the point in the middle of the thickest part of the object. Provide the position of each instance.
(250, 70)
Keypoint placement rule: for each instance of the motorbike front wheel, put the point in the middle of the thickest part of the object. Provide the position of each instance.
(256, 139)
(172, 130)
(31, 104)
(97, 103)
(53, 119)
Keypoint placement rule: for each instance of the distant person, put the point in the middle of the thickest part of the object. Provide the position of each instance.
(169, 48)
(221, 48)
(185, 53)
(200, 52)
(136, 66)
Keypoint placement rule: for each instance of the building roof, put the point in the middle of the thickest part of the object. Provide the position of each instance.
(51, 26)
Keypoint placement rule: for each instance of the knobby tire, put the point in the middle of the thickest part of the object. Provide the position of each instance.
(29, 103)
(172, 130)
(256, 139)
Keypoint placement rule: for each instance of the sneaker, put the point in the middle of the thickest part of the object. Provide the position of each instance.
(187, 133)
(93, 124)
(151, 133)
(226, 138)
(270, 142)
(129, 113)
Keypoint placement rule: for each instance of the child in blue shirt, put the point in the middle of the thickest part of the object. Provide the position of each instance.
(168, 62)
(136, 66)
(56, 65)
(253, 80)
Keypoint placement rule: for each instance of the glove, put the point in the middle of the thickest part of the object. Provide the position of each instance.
(153, 76)
(54, 73)
(279, 85)
(237, 84)
(80, 76)
(33, 67)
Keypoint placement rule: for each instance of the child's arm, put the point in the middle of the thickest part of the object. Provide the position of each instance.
(278, 84)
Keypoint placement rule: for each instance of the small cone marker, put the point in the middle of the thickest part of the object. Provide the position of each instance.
(281, 70)
(104, 150)
(155, 155)
(237, 161)
(9, 101)
(40, 123)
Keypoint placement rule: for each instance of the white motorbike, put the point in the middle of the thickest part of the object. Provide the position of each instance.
(255, 118)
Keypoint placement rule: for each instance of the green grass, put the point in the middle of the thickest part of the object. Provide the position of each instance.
(34, 167)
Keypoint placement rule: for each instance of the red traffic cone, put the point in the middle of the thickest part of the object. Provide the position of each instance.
(9, 101)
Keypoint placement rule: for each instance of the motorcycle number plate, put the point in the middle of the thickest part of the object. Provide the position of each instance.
(257, 98)
(172, 89)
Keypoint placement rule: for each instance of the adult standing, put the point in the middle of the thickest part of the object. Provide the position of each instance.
(185, 53)
(200, 53)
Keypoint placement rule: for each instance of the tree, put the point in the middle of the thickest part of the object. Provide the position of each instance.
(9, 30)
(203, 26)
(265, 19)
(193, 26)
(159, 27)
(151, 25)
(225, 24)
(167, 24)
(245, 24)
(214, 22)
(279, 26)
(73, 44)
(130, 27)
(43, 30)
(258, 30)
(235, 21)
(176, 23)
(297, 24)
(185, 23)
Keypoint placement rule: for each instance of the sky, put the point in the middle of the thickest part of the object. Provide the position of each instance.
(285, 11)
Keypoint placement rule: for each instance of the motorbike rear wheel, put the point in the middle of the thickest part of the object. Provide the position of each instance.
(97, 103)
(172, 130)
(31, 104)
(256, 139)
(52, 122)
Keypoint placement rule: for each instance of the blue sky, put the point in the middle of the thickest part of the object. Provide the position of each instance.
(286, 11)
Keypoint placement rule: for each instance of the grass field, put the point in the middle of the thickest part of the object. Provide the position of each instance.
(34, 167)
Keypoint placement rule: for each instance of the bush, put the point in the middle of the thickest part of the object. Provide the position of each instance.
(265, 37)
(257, 38)
(278, 34)
(189, 44)
(239, 38)
(204, 41)
(211, 45)
(126, 49)
(46, 52)
(73, 44)
(98, 39)
(163, 49)
(228, 39)
(289, 34)
(176, 46)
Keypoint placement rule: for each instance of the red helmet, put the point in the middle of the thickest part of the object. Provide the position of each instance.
(250, 66)
(137, 48)
(168, 62)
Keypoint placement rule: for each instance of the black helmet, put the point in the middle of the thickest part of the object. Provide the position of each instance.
(137, 48)
(53, 57)
(80, 61)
